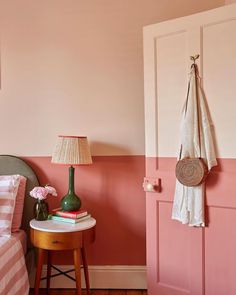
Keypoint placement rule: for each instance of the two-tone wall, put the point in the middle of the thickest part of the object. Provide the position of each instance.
(76, 67)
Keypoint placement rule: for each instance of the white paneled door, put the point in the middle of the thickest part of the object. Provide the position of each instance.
(186, 260)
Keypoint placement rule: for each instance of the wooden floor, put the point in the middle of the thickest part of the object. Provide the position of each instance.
(93, 292)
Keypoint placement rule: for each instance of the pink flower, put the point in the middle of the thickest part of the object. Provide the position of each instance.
(51, 190)
(41, 192)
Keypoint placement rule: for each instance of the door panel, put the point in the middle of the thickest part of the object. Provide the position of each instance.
(219, 70)
(220, 245)
(173, 256)
(172, 248)
(181, 259)
(171, 69)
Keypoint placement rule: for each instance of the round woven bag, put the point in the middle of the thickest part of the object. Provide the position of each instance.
(191, 171)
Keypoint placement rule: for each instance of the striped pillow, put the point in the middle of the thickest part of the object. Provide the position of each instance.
(8, 191)
(5, 185)
(19, 205)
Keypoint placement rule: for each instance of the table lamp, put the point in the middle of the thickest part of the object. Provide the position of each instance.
(73, 151)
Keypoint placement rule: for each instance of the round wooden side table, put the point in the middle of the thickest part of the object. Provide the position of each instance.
(52, 235)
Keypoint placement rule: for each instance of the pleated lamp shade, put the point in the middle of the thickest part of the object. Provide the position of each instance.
(72, 150)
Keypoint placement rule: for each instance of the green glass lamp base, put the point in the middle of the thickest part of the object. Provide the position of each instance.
(70, 202)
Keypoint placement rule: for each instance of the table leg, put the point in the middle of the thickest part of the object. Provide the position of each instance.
(86, 274)
(48, 270)
(39, 270)
(77, 271)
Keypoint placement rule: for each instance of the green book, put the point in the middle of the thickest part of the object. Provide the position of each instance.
(69, 220)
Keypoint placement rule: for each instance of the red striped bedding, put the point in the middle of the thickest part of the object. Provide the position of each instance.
(13, 274)
(8, 190)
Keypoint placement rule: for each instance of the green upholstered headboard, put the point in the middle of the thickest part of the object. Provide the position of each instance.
(13, 165)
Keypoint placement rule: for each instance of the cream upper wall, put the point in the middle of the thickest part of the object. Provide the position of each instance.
(76, 67)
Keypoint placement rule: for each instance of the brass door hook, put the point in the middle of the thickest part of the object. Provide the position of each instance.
(194, 57)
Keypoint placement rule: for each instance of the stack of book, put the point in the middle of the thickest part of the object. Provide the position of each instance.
(69, 216)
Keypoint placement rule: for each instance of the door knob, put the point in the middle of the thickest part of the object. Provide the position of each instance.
(149, 187)
(152, 184)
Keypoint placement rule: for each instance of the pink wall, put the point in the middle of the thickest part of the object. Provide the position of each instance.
(76, 67)
(111, 189)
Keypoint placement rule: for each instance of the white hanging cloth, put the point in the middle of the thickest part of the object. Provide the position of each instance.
(188, 206)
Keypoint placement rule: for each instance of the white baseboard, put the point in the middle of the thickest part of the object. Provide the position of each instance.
(101, 277)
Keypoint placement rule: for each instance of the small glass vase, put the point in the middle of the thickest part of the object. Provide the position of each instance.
(41, 210)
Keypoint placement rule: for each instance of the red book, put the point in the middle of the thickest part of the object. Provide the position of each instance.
(70, 214)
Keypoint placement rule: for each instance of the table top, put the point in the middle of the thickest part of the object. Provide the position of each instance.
(58, 226)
